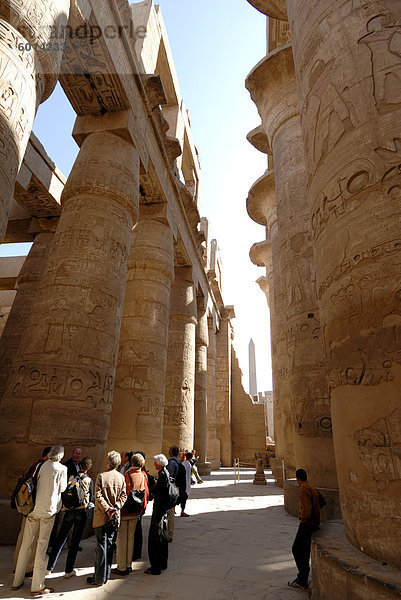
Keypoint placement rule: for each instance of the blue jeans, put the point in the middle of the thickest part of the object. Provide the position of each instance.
(75, 520)
(103, 553)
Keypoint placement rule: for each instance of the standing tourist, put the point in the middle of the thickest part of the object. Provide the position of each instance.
(74, 519)
(309, 516)
(135, 479)
(73, 464)
(52, 480)
(178, 473)
(195, 472)
(110, 496)
(125, 462)
(188, 468)
(157, 541)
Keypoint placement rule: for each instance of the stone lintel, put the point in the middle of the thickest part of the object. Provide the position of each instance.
(261, 197)
(272, 86)
(10, 267)
(261, 253)
(228, 312)
(120, 123)
(17, 231)
(259, 140)
(271, 8)
(341, 571)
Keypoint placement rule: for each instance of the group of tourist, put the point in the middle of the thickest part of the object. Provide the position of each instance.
(116, 503)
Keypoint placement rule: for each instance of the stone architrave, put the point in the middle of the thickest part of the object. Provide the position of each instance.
(223, 385)
(349, 81)
(200, 420)
(178, 428)
(61, 385)
(138, 400)
(213, 454)
(261, 206)
(32, 36)
(18, 319)
(272, 86)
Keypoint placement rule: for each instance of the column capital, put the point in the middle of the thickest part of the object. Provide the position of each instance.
(261, 253)
(273, 89)
(259, 140)
(271, 8)
(261, 198)
(120, 123)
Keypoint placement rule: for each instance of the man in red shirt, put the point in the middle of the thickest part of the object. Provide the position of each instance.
(310, 500)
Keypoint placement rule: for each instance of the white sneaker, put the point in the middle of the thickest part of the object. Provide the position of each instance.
(48, 572)
(72, 574)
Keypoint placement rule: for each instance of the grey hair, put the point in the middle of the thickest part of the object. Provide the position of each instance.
(56, 453)
(161, 460)
(137, 460)
(114, 459)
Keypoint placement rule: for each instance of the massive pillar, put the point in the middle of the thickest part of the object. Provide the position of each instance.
(261, 206)
(138, 400)
(178, 426)
(213, 454)
(27, 285)
(223, 386)
(348, 74)
(200, 421)
(61, 385)
(273, 88)
(32, 36)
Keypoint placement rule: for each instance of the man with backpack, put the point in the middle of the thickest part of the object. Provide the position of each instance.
(32, 472)
(177, 471)
(76, 499)
(165, 494)
(52, 480)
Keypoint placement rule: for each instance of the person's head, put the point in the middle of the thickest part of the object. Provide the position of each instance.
(160, 461)
(189, 455)
(124, 457)
(46, 452)
(76, 455)
(86, 464)
(173, 451)
(137, 460)
(56, 453)
(301, 475)
(113, 460)
(140, 452)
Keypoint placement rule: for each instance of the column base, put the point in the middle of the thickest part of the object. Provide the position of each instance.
(276, 465)
(10, 523)
(341, 572)
(329, 512)
(215, 464)
(204, 468)
(259, 479)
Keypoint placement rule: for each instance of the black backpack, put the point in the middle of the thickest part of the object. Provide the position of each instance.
(173, 493)
(181, 478)
(74, 495)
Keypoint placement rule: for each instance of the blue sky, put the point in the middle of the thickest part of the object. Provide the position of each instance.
(215, 43)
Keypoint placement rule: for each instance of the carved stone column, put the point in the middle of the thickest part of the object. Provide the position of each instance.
(27, 284)
(223, 385)
(273, 88)
(213, 454)
(261, 206)
(61, 385)
(178, 426)
(138, 400)
(30, 58)
(348, 75)
(200, 424)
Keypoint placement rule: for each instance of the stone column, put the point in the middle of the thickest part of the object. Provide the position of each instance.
(348, 75)
(223, 386)
(213, 454)
(200, 424)
(61, 385)
(27, 284)
(138, 400)
(178, 428)
(30, 58)
(261, 206)
(273, 88)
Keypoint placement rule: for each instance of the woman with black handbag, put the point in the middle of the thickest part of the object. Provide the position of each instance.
(137, 498)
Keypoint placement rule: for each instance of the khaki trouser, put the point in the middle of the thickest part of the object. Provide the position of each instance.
(125, 542)
(18, 547)
(39, 529)
(170, 523)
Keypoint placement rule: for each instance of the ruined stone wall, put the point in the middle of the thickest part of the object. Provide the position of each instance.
(248, 419)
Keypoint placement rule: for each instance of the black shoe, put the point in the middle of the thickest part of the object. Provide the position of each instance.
(92, 581)
(120, 573)
(151, 571)
(297, 585)
(29, 574)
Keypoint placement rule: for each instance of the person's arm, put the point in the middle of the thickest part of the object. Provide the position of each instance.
(122, 497)
(63, 481)
(100, 499)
